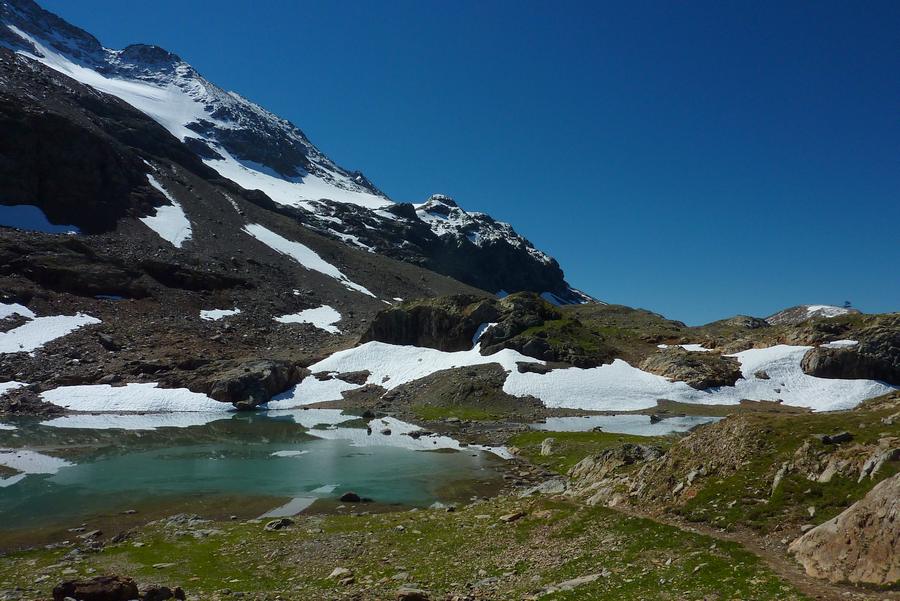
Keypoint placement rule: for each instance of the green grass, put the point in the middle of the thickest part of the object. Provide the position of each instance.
(445, 553)
(572, 447)
(432, 413)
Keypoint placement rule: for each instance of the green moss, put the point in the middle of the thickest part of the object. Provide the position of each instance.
(463, 412)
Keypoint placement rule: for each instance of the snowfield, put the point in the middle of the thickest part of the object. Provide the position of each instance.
(302, 254)
(38, 331)
(323, 317)
(169, 221)
(131, 397)
(614, 387)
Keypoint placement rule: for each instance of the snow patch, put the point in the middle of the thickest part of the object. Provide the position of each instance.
(310, 391)
(619, 386)
(131, 397)
(289, 453)
(840, 344)
(323, 317)
(8, 310)
(33, 335)
(169, 221)
(217, 314)
(302, 254)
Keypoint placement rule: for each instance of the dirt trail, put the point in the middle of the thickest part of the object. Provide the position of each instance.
(775, 555)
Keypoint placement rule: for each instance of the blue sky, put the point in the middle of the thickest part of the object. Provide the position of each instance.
(697, 159)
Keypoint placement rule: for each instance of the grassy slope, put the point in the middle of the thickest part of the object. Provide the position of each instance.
(443, 552)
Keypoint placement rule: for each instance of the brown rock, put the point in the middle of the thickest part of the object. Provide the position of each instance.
(101, 588)
(860, 545)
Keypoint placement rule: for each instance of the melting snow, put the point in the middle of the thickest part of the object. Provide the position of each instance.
(8, 310)
(131, 397)
(323, 317)
(825, 311)
(696, 348)
(169, 221)
(311, 391)
(39, 331)
(840, 344)
(217, 314)
(619, 386)
(302, 254)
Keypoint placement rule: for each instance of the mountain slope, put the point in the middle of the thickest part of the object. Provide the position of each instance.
(258, 150)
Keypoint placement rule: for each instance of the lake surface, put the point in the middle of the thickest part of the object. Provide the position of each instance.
(68, 469)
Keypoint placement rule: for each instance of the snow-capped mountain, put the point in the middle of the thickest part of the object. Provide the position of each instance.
(258, 150)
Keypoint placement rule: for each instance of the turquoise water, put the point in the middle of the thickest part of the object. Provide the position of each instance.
(278, 455)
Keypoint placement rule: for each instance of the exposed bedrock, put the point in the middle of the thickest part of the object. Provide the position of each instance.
(699, 370)
(859, 545)
(875, 357)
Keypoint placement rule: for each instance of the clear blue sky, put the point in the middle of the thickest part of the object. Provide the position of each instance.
(699, 159)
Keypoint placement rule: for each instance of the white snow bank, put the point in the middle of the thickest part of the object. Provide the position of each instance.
(323, 317)
(28, 462)
(299, 191)
(825, 311)
(840, 344)
(639, 425)
(217, 314)
(169, 221)
(620, 386)
(7, 427)
(392, 365)
(696, 348)
(7, 386)
(131, 397)
(41, 330)
(8, 310)
(302, 254)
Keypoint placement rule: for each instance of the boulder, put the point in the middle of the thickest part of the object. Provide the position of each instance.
(699, 370)
(860, 545)
(412, 594)
(547, 446)
(100, 588)
(350, 497)
(876, 356)
(254, 382)
(279, 524)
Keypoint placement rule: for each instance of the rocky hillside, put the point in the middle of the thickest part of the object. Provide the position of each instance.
(242, 142)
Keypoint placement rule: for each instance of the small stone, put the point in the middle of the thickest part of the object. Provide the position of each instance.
(412, 594)
(350, 497)
(279, 524)
(338, 573)
(512, 517)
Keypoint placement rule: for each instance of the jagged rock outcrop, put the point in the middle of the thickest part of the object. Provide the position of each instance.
(876, 355)
(697, 369)
(859, 546)
(447, 324)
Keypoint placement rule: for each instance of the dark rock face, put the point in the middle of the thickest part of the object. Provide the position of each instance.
(255, 382)
(101, 588)
(699, 370)
(447, 324)
(875, 357)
